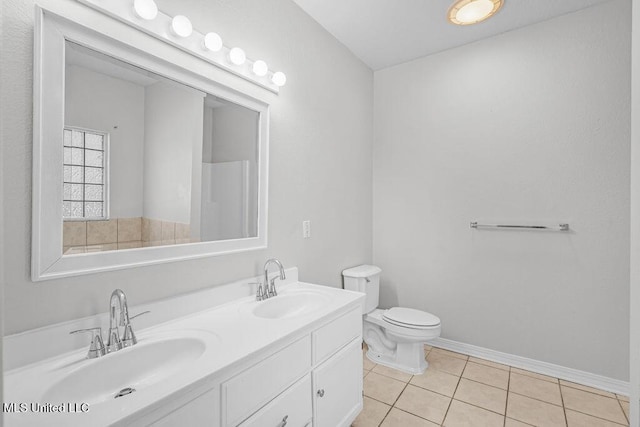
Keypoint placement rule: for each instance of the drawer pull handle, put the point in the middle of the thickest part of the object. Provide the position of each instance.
(284, 421)
(321, 392)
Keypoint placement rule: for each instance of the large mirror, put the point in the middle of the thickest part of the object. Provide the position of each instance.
(139, 161)
(148, 161)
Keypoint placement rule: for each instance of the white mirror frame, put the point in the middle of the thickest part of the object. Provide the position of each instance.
(51, 33)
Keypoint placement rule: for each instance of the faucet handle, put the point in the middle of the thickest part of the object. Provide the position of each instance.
(128, 337)
(96, 349)
(139, 314)
(259, 293)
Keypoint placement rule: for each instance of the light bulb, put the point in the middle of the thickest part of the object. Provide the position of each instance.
(181, 26)
(260, 68)
(237, 56)
(279, 78)
(145, 9)
(212, 42)
(465, 12)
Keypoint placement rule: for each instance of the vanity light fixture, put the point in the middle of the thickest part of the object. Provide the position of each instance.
(212, 42)
(179, 32)
(237, 56)
(145, 9)
(260, 68)
(181, 26)
(467, 12)
(279, 78)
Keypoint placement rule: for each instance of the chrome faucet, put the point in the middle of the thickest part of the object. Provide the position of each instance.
(119, 301)
(270, 291)
(114, 341)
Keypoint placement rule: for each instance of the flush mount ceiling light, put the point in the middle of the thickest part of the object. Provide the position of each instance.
(467, 12)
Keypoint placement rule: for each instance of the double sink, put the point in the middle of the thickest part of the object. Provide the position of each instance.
(171, 355)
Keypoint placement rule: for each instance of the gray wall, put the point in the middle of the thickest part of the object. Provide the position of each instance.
(526, 126)
(320, 164)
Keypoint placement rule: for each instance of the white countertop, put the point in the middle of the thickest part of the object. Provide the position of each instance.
(232, 335)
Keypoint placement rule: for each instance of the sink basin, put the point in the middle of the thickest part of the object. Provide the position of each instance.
(137, 367)
(291, 304)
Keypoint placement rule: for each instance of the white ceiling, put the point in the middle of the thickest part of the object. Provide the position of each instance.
(388, 32)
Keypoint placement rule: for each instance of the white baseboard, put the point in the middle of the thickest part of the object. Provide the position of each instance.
(557, 371)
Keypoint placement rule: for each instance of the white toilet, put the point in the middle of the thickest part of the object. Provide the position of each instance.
(396, 336)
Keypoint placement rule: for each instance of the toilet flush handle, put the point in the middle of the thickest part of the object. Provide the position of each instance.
(367, 279)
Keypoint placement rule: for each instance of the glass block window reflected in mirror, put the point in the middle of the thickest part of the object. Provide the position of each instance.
(85, 175)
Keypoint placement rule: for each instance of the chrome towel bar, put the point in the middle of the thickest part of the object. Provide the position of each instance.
(559, 227)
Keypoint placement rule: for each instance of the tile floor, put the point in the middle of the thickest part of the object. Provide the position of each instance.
(457, 391)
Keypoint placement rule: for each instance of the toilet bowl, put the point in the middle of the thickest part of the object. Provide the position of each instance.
(396, 336)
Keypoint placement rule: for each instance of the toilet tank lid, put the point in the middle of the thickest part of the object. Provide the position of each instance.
(362, 271)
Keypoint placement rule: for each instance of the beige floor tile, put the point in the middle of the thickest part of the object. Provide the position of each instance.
(622, 397)
(461, 414)
(577, 419)
(382, 388)
(482, 395)
(593, 404)
(534, 412)
(489, 363)
(366, 363)
(392, 373)
(534, 375)
(449, 364)
(423, 403)
(364, 373)
(625, 408)
(533, 387)
(427, 347)
(449, 353)
(372, 413)
(508, 422)
(486, 375)
(398, 418)
(586, 388)
(438, 381)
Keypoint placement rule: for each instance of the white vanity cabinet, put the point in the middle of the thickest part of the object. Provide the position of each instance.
(316, 380)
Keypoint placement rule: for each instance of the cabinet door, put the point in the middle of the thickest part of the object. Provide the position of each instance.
(337, 388)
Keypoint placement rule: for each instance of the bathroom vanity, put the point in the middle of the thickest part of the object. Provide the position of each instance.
(294, 359)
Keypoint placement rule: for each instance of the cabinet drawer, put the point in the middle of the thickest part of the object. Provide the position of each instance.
(292, 406)
(335, 335)
(245, 393)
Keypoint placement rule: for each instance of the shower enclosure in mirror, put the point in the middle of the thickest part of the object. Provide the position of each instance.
(138, 160)
(149, 162)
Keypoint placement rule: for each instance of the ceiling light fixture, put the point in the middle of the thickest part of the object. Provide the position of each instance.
(467, 12)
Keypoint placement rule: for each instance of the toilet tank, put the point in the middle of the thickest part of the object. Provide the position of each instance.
(364, 278)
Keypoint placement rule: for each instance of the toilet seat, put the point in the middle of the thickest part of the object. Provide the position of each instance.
(410, 318)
